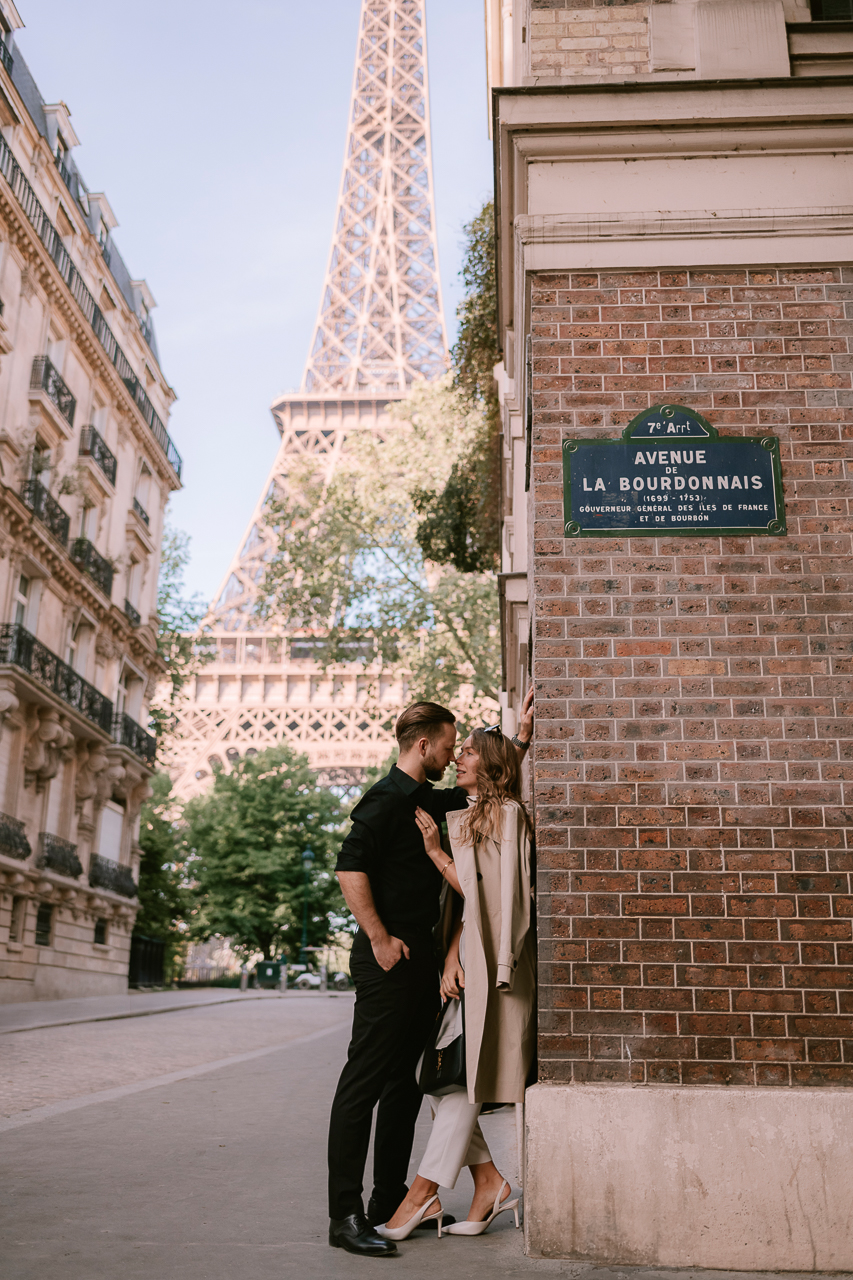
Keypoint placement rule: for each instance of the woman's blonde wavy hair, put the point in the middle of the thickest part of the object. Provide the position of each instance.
(498, 780)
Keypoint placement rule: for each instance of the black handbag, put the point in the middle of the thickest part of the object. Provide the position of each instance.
(443, 1070)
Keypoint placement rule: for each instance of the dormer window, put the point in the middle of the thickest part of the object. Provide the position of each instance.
(103, 233)
(61, 148)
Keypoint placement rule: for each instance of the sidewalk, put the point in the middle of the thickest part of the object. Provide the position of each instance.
(219, 1171)
(34, 1014)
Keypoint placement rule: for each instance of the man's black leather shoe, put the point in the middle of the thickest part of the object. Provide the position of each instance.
(375, 1215)
(355, 1234)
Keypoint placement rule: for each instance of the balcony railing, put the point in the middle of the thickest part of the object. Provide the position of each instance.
(47, 509)
(22, 649)
(141, 512)
(59, 855)
(37, 217)
(104, 873)
(131, 735)
(6, 57)
(133, 616)
(93, 445)
(46, 378)
(13, 839)
(93, 563)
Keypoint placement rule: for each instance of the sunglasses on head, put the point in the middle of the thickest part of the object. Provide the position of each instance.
(492, 728)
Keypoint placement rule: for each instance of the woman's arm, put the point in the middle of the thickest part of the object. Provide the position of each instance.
(453, 978)
(515, 893)
(432, 844)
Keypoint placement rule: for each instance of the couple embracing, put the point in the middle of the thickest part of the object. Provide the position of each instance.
(393, 867)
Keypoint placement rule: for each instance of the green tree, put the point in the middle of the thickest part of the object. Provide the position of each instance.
(460, 522)
(180, 644)
(350, 570)
(243, 843)
(165, 900)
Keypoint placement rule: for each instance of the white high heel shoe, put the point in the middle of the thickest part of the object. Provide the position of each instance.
(469, 1228)
(402, 1233)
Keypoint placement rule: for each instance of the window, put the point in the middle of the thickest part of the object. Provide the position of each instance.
(44, 923)
(832, 10)
(19, 916)
(100, 932)
(77, 649)
(56, 350)
(61, 148)
(88, 521)
(22, 600)
(134, 576)
(103, 233)
(143, 485)
(121, 694)
(40, 466)
(112, 825)
(25, 605)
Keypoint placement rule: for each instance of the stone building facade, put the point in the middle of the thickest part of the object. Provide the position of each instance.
(675, 226)
(86, 467)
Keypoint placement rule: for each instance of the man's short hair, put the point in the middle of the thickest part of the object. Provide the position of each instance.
(421, 720)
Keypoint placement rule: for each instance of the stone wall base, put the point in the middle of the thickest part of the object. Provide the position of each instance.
(54, 983)
(730, 1179)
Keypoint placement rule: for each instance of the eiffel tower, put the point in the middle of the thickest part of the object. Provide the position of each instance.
(380, 327)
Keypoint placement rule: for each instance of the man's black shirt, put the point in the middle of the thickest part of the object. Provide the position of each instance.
(387, 845)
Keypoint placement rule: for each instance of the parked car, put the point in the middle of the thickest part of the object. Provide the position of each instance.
(308, 980)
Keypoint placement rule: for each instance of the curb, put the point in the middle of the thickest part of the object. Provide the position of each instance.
(147, 1013)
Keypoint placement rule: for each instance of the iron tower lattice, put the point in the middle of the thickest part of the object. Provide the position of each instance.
(381, 324)
(380, 327)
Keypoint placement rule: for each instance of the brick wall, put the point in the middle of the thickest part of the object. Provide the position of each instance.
(694, 735)
(596, 38)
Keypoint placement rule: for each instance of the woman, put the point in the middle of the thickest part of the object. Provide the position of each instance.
(491, 957)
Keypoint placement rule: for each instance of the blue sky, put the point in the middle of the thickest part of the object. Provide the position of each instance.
(217, 132)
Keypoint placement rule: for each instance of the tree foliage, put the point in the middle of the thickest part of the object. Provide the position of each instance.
(165, 900)
(178, 629)
(350, 568)
(243, 843)
(460, 522)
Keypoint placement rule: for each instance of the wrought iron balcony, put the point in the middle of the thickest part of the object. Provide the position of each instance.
(93, 445)
(20, 648)
(104, 873)
(131, 735)
(13, 839)
(46, 378)
(47, 509)
(141, 512)
(6, 57)
(59, 855)
(93, 563)
(133, 616)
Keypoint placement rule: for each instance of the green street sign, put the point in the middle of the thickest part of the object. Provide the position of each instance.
(670, 473)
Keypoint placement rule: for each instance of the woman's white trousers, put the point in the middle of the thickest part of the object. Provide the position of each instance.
(456, 1139)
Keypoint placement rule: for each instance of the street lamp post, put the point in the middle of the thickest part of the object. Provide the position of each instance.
(307, 863)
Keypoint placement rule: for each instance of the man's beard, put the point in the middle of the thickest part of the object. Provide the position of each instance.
(432, 770)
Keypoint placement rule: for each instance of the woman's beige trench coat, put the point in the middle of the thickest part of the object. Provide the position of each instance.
(500, 957)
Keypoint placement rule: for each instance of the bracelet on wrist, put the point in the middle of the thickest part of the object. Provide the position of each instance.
(448, 863)
(522, 746)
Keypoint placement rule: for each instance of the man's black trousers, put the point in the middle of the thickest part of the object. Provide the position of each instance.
(393, 1015)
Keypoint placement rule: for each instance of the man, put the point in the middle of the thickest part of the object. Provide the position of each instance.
(393, 890)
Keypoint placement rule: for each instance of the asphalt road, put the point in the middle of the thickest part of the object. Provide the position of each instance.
(191, 1145)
